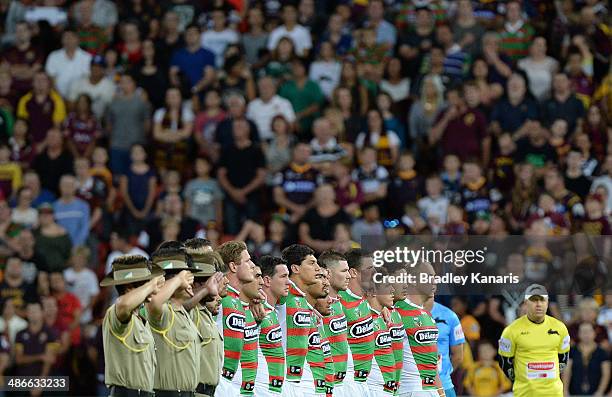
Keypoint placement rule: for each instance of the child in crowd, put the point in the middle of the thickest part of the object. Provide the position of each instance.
(405, 187)
(203, 196)
(451, 176)
(558, 139)
(342, 239)
(10, 172)
(171, 184)
(434, 206)
(502, 171)
(456, 225)
(369, 225)
(82, 281)
(596, 223)
(485, 378)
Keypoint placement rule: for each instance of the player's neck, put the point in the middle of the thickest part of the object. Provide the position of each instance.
(356, 288)
(536, 320)
(298, 283)
(374, 304)
(271, 299)
(416, 299)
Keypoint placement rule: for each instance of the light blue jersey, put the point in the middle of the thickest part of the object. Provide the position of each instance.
(450, 334)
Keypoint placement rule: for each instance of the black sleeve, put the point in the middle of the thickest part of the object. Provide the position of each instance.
(563, 358)
(507, 365)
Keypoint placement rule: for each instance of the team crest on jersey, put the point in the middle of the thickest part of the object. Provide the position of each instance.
(301, 319)
(362, 328)
(235, 321)
(251, 332)
(418, 322)
(426, 336)
(383, 339)
(314, 340)
(274, 335)
(338, 325)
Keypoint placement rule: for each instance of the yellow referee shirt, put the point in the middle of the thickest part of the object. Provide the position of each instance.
(535, 348)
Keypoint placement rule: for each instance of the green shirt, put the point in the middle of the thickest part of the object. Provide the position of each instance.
(360, 333)
(177, 346)
(301, 98)
(335, 331)
(129, 352)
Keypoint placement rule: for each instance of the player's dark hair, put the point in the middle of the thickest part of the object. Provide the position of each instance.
(354, 257)
(268, 263)
(295, 254)
(330, 258)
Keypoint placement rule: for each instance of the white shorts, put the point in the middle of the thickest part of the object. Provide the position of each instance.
(295, 389)
(263, 392)
(353, 388)
(427, 393)
(226, 388)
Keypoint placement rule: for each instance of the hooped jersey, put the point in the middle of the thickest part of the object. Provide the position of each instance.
(420, 348)
(335, 329)
(360, 334)
(315, 357)
(396, 330)
(329, 361)
(248, 359)
(233, 320)
(296, 330)
(271, 356)
(382, 377)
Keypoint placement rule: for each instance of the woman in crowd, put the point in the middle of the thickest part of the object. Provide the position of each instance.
(150, 76)
(81, 128)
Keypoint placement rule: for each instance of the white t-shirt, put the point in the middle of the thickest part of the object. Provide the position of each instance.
(101, 94)
(187, 116)
(217, 42)
(84, 285)
(66, 70)
(300, 36)
(262, 114)
(540, 75)
(326, 75)
(28, 217)
(374, 137)
(434, 208)
(397, 92)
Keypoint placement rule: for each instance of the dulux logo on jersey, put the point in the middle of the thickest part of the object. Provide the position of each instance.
(301, 319)
(274, 335)
(426, 336)
(314, 340)
(397, 333)
(235, 321)
(383, 339)
(362, 328)
(251, 332)
(338, 325)
(326, 347)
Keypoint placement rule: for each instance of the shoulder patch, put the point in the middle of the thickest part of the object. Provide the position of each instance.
(505, 345)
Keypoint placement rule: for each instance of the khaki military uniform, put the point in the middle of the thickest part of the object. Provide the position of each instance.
(211, 355)
(178, 347)
(129, 352)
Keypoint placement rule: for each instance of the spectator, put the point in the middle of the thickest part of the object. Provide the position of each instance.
(567, 202)
(359, 93)
(372, 177)
(92, 38)
(563, 104)
(72, 213)
(10, 323)
(316, 228)
(194, 63)
(138, 189)
(237, 77)
(203, 196)
(129, 48)
(586, 312)
(82, 128)
(485, 378)
(268, 105)
(97, 86)
(206, 123)
(514, 113)
(14, 286)
(386, 143)
(121, 244)
(224, 136)
(241, 173)
(498, 62)
(22, 150)
(97, 192)
(588, 368)
(596, 128)
(10, 172)
(69, 308)
(24, 213)
(172, 129)
(219, 36)
(68, 64)
(326, 70)
(127, 123)
(82, 282)
(170, 41)
(150, 75)
(539, 68)
(467, 30)
(424, 112)
(34, 108)
(395, 84)
(351, 120)
(369, 225)
(456, 61)
(295, 185)
(595, 222)
(278, 150)
(172, 212)
(297, 33)
(254, 40)
(324, 145)
(22, 59)
(414, 43)
(575, 180)
(384, 103)
(434, 205)
(349, 193)
(304, 94)
(40, 195)
(53, 162)
(517, 33)
(104, 14)
(278, 64)
(385, 32)
(36, 346)
(335, 34)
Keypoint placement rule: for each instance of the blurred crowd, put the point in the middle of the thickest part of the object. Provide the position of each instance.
(124, 124)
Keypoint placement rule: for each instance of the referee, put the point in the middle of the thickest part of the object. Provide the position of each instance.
(534, 349)
(129, 351)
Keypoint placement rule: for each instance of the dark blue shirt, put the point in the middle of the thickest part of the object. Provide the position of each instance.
(510, 117)
(192, 64)
(570, 110)
(586, 375)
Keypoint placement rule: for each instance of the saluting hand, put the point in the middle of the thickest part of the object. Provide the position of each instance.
(212, 284)
(186, 278)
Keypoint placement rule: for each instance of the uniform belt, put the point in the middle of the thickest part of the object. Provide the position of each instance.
(120, 391)
(174, 393)
(208, 390)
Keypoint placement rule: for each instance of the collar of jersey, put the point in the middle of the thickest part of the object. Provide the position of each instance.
(268, 306)
(414, 304)
(245, 304)
(374, 311)
(354, 295)
(233, 292)
(300, 169)
(296, 290)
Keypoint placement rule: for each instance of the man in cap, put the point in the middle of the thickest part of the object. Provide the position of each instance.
(177, 340)
(129, 350)
(534, 349)
(207, 284)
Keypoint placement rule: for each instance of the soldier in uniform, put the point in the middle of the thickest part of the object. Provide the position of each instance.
(207, 284)
(177, 340)
(129, 350)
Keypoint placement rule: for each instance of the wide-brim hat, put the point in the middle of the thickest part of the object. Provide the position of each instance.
(174, 264)
(137, 269)
(209, 263)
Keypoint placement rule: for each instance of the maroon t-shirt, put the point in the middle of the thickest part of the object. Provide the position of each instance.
(40, 118)
(34, 344)
(28, 57)
(464, 134)
(81, 132)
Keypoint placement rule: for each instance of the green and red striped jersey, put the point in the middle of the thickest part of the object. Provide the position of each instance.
(248, 359)
(396, 330)
(296, 331)
(314, 357)
(360, 334)
(329, 361)
(233, 319)
(382, 376)
(271, 368)
(420, 348)
(516, 43)
(335, 329)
